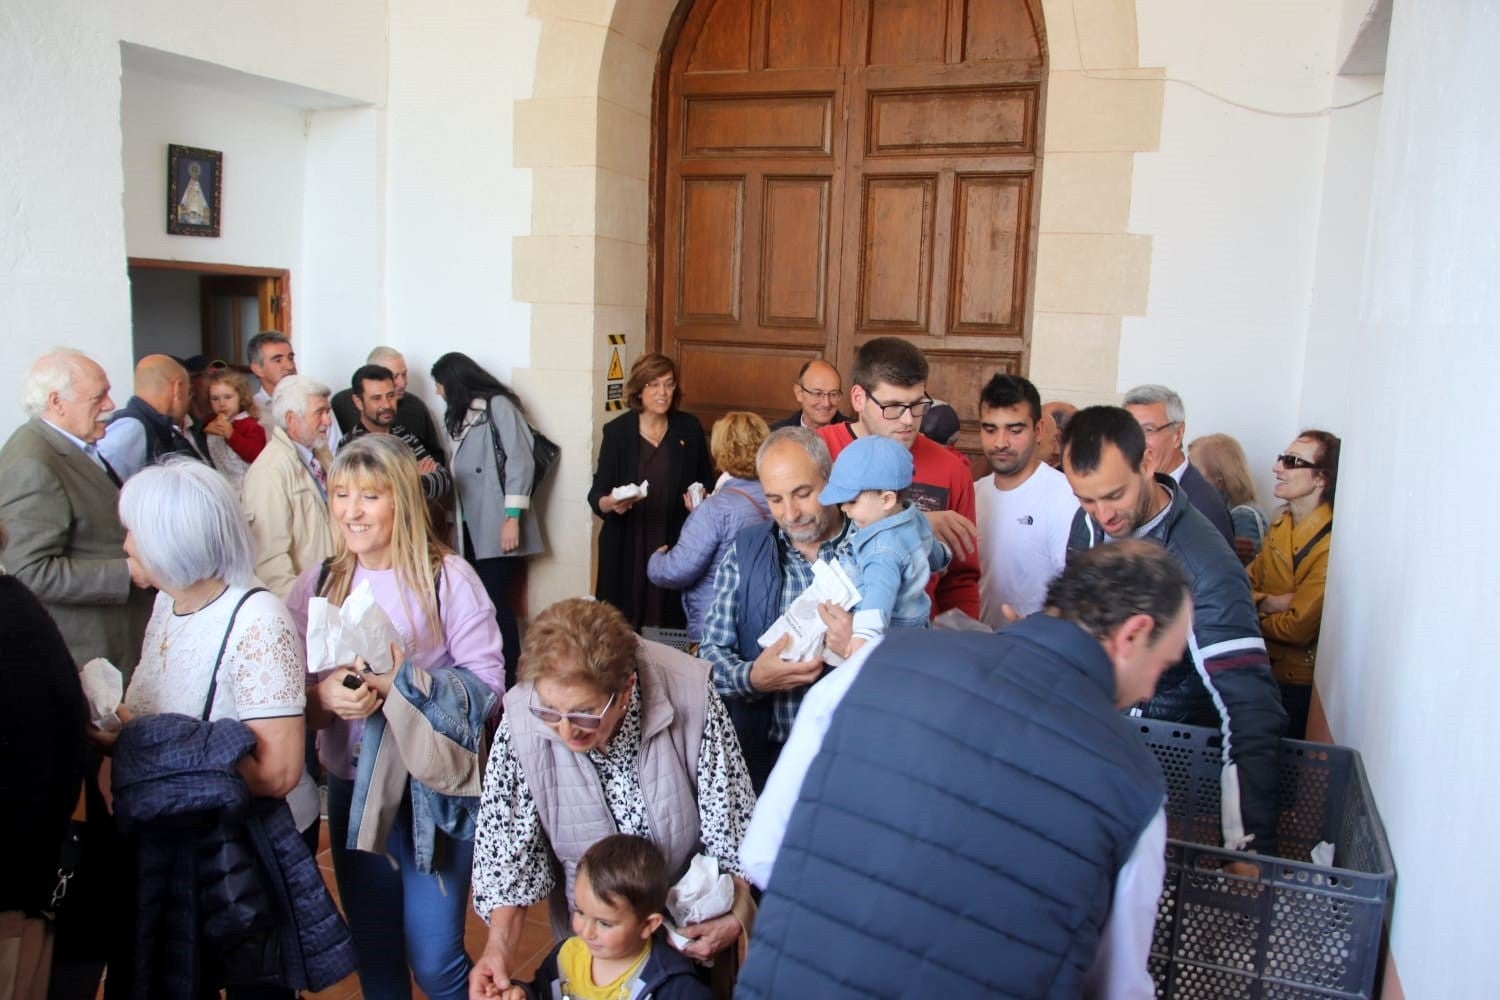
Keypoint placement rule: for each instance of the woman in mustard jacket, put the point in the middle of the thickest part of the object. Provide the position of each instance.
(1289, 574)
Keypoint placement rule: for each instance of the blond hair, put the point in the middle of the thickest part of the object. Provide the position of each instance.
(382, 464)
(735, 439)
(1222, 461)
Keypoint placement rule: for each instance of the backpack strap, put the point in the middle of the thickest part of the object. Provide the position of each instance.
(1303, 552)
(213, 682)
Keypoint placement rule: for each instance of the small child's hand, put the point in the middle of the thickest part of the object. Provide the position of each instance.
(513, 992)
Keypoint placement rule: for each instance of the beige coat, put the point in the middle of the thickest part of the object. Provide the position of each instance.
(288, 515)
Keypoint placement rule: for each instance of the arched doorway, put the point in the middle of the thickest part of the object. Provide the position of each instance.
(827, 171)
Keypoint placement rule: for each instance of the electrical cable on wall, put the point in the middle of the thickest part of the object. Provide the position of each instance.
(1269, 112)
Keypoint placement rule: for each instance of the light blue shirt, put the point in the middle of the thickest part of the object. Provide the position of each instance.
(124, 447)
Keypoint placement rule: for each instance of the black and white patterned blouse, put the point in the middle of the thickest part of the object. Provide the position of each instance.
(513, 864)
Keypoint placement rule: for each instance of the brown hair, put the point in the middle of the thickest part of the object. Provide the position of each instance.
(580, 641)
(241, 386)
(1328, 459)
(647, 369)
(1222, 461)
(735, 439)
(627, 870)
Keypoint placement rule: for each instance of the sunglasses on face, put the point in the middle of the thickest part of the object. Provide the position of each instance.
(578, 720)
(1296, 462)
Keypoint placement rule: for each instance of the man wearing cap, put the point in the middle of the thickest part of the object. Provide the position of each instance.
(889, 396)
(892, 547)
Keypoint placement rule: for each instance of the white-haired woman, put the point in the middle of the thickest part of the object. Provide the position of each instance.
(186, 536)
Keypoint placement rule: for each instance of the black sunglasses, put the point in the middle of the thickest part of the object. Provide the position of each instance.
(1297, 462)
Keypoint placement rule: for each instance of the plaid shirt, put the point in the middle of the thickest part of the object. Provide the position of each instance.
(720, 645)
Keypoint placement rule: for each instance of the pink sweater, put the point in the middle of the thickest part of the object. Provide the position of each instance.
(470, 639)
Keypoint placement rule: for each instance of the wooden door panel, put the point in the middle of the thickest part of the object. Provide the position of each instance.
(985, 296)
(794, 252)
(906, 32)
(724, 42)
(717, 378)
(758, 125)
(800, 34)
(895, 250)
(713, 211)
(1001, 30)
(964, 122)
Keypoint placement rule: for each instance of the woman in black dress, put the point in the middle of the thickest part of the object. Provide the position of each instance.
(658, 443)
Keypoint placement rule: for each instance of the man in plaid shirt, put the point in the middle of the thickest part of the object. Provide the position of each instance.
(761, 575)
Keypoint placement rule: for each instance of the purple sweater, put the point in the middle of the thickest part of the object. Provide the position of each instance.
(470, 639)
(690, 565)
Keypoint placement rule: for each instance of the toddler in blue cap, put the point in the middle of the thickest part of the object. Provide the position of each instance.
(891, 548)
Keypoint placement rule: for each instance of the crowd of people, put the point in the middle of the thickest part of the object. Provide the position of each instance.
(960, 718)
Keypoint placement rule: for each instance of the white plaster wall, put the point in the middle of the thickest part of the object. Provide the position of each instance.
(264, 148)
(456, 69)
(63, 244)
(165, 313)
(1231, 202)
(1407, 664)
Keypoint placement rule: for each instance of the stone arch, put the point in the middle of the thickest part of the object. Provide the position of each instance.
(585, 133)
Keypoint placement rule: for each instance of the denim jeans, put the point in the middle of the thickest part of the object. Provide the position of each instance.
(399, 915)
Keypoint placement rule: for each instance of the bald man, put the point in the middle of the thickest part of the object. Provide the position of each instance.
(818, 390)
(1049, 438)
(149, 426)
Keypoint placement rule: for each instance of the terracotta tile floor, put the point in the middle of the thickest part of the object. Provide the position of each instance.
(536, 939)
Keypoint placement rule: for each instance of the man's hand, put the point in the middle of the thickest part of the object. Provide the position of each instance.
(426, 465)
(954, 530)
(510, 535)
(1273, 604)
(840, 625)
(711, 936)
(1010, 614)
(771, 673)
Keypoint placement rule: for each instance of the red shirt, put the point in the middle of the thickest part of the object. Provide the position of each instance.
(941, 480)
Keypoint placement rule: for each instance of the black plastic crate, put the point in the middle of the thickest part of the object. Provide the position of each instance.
(1295, 930)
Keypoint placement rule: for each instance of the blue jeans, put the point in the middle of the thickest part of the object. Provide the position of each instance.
(399, 915)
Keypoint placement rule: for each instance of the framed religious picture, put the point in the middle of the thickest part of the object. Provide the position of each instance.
(195, 190)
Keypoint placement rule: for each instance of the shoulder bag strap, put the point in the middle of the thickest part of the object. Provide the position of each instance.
(213, 682)
(1303, 552)
(765, 513)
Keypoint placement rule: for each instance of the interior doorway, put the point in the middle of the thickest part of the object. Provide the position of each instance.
(827, 171)
(183, 308)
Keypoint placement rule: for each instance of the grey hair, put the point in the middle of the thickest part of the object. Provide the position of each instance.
(292, 396)
(383, 353)
(805, 439)
(52, 372)
(187, 525)
(260, 340)
(1151, 394)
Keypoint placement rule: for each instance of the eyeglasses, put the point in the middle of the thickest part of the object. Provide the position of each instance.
(893, 411)
(820, 395)
(1297, 462)
(1148, 430)
(578, 720)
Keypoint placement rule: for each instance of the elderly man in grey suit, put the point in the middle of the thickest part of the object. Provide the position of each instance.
(57, 501)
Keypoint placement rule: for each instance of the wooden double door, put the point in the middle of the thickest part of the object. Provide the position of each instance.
(834, 170)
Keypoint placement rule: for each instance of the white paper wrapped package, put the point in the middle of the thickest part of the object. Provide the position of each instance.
(104, 687)
(830, 583)
(631, 491)
(336, 635)
(701, 894)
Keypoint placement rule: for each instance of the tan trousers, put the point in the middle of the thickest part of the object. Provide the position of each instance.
(25, 956)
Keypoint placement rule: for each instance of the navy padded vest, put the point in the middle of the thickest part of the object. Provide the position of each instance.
(962, 827)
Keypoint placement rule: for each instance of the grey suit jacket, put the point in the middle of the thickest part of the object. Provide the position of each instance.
(485, 489)
(67, 545)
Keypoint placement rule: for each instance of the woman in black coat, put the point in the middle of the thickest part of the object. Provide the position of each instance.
(658, 443)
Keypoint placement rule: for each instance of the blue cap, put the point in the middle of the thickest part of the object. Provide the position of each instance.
(870, 463)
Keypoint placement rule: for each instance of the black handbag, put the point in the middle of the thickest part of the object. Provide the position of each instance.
(544, 453)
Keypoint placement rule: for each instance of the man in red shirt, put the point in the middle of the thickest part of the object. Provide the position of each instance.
(889, 398)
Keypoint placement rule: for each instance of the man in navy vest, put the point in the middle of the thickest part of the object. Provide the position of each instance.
(966, 814)
(761, 575)
(149, 426)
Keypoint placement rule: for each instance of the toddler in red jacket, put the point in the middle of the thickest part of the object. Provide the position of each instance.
(235, 418)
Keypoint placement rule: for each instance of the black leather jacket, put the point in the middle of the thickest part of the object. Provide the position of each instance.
(1224, 679)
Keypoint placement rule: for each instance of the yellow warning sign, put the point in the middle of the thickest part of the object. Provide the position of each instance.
(616, 370)
(616, 338)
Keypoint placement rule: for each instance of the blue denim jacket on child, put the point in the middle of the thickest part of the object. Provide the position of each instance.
(891, 561)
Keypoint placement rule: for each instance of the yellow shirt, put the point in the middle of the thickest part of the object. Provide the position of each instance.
(575, 968)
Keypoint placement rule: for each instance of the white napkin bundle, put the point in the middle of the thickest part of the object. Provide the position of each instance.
(336, 635)
(104, 687)
(830, 583)
(701, 894)
(631, 491)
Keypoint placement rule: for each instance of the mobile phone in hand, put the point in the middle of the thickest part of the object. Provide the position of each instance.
(353, 682)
